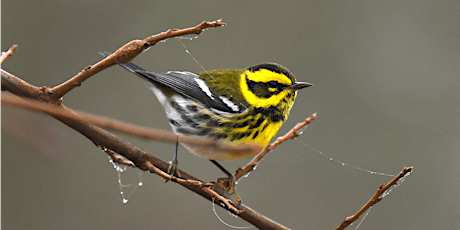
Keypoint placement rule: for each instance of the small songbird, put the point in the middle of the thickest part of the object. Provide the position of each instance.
(240, 106)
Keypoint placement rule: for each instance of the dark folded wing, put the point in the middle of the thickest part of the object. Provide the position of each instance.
(185, 83)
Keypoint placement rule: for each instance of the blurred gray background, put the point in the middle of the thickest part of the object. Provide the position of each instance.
(386, 90)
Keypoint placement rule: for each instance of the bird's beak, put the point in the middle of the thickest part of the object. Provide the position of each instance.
(299, 85)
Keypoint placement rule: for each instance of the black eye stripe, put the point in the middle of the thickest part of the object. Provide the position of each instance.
(274, 84)
(270, 84)
(265, 89)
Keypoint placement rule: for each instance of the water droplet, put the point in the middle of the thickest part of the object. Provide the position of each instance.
(231, 214)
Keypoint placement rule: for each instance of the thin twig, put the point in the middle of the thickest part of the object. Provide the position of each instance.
(198, 29)
(377, 197)
(228, 203)
(126, 54)
(8, 53)
(118, 159)
(20, 87)
(256, 160)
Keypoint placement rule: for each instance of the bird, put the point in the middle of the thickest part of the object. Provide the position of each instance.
(238, 106)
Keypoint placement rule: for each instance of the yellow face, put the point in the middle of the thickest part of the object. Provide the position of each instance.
(264, 88)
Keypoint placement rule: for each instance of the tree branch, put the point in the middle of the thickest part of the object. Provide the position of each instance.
(377, 197)
(8, 53)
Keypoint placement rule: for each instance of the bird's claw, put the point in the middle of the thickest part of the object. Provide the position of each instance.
(227, 188)
(173, 170)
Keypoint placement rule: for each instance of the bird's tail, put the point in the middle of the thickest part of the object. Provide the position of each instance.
(131, 67)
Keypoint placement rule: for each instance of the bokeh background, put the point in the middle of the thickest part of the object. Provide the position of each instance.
(386, 90)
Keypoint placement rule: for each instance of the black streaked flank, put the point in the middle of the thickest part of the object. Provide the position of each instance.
(173, 122)
(192, 108)
(215, 122)
(240, 125)
(189, 121)
(265, 126)
(247, 134)
(203, 132)
(177, 107)
(201, 117)
(258, 123)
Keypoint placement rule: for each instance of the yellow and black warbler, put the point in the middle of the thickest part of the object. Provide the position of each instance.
(240, 106)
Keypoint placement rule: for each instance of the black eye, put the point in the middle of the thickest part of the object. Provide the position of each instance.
(273, 84)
